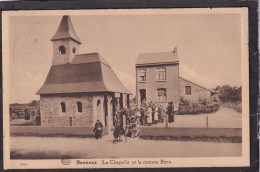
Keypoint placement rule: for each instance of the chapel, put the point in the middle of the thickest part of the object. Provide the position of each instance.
(79, 88)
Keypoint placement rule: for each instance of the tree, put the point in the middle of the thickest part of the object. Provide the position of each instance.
(34, 103)
(227, 93)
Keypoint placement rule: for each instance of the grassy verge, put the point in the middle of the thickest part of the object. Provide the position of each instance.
(221, 139)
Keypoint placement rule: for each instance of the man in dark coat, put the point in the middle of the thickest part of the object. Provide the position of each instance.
(142, 111)
(98, 129)
(170, 112)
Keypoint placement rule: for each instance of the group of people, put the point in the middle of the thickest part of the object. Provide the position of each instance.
(152, 113)
(124, 124)
(126, 120)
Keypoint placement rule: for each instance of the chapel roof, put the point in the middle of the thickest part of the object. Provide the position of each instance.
(86, 73)
(66, 30)
(89, 58)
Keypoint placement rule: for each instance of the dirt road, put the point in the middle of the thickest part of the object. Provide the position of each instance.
(50, 147)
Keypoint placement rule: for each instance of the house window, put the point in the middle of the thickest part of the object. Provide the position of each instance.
(63, 107)
(161, 94)
(187, 90)
(79, 107)
(142, 75)
(62, 50)
(161, 74)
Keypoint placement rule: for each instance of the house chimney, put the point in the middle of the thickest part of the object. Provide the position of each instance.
(175, 50)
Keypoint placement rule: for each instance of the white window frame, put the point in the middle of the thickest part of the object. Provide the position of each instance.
(161, 94)
(159, 74)
(139, 75)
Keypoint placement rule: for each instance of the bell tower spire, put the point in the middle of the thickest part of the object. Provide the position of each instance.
(65, 42)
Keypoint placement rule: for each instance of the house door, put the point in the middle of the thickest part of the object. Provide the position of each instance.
(142, 95)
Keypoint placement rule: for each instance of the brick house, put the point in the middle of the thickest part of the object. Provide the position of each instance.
(79, 88)
(158, 80)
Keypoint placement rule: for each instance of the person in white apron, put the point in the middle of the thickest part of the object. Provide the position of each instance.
(155, 118)
(138, 116)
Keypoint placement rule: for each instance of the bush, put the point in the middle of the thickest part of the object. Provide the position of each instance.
(184, 102)
(203, 105)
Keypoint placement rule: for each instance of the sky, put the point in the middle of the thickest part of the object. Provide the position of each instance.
(209, 47)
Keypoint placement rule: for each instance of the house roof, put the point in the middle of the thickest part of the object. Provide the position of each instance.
(66, 30)
(197, 85)
(157, 58)
(86, 73)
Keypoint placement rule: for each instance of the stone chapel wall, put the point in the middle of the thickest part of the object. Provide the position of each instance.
(52, 115)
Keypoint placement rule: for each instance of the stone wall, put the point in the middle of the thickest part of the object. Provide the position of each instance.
(152, 84)
(52, 115)
(196, 90)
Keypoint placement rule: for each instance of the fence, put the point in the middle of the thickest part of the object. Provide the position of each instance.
(204, 121)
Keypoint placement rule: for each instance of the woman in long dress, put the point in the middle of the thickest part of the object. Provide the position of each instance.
(155, 118)
(138, 116)
(149, 116)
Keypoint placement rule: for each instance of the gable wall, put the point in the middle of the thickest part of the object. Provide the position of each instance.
(196, 91)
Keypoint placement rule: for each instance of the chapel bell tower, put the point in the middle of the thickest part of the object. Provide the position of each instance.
(65, 43)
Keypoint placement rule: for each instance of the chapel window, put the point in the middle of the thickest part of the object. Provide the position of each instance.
(63, 107)
(79, 107)
(62, 50)
(74, 50)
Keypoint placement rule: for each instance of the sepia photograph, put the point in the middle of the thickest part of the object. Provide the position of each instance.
(126, 88)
